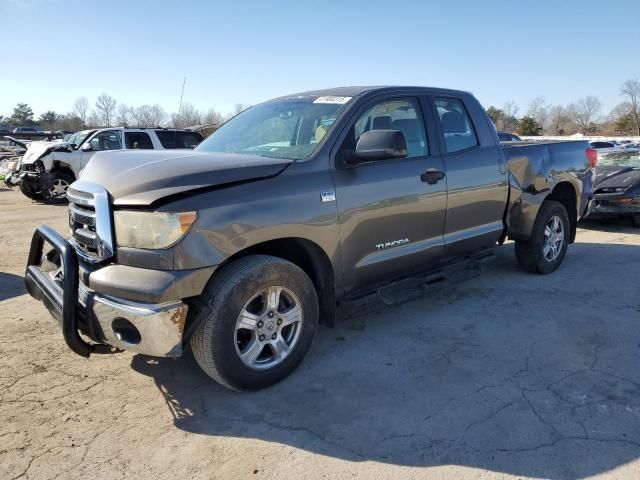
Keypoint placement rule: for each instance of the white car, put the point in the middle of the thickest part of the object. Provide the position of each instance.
(48, 168)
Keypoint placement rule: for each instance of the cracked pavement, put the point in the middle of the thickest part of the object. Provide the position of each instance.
(506, 374)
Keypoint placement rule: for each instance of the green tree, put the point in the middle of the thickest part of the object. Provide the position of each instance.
(495, 114)
(626, 124)
(504, 119)
(529, 127)
(49, 119)
(22, 115)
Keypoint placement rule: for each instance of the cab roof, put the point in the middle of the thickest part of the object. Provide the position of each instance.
(355, 91)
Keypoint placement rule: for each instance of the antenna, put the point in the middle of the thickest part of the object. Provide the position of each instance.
(175, 132)
(184, 82)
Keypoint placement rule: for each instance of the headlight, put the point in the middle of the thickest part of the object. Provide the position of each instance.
(151, 229)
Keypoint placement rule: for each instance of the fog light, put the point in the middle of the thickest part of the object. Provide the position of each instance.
(126, 332)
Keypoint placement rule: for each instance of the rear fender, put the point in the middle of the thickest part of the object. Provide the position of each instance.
(530, 185)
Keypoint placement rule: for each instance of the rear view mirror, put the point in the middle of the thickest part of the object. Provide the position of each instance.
(87, 147)
(379, 145)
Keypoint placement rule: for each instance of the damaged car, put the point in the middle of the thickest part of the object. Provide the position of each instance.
(617, 186)
(48, 168)
(11, 151)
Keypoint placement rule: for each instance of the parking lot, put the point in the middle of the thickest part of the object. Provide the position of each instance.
(505, 374)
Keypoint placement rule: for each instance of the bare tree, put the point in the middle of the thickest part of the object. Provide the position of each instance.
(559, 120)
(157, 115)
(141, 115)
(631, 90)
(93, 120)
(238, 108)
(212, 117)
(539, 111)
(123, 116)
(507, 121)
(106, 105)
(80, 108)
(186, 117)
(585, 112)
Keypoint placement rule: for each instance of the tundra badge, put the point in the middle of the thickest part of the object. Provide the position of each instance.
(394, 243)
(328, 196)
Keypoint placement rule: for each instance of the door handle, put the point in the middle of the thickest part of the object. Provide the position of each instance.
(432, 176)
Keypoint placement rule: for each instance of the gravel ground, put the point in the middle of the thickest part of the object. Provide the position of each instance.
(506, 374)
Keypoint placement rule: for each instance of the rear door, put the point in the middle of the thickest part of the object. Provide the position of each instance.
(476, 175)
(391, 219)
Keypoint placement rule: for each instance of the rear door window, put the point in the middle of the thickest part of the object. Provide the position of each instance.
(457, 128)
(138, 141)
(174, 139)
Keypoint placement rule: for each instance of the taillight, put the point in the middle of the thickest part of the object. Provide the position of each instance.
(592, 157)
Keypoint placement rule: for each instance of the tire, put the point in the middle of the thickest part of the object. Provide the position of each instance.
(30, 194)
(61, 180)
(221, 346)
(531, 254)
(635, 220)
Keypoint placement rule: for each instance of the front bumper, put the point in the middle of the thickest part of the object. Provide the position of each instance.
(32, 182)
(606, 206)
(151, 328)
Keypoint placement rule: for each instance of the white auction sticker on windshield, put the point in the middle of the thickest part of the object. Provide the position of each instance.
(332, 99)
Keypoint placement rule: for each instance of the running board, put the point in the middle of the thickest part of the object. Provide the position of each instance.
(416, 286)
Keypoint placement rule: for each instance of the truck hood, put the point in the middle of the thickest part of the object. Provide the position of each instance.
(140, 178)
(38, 150)
(612, 177)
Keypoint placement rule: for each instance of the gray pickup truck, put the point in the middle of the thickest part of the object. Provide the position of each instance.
(241, 247)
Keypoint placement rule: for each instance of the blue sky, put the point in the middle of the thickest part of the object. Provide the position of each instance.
(249, 51)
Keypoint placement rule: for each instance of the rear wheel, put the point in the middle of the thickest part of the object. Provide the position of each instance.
(57, 191)
(264, 316)
(545, 250)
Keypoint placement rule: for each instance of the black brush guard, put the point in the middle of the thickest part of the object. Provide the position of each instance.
(62, 303)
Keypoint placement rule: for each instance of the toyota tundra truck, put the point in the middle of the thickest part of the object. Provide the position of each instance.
(238, 249)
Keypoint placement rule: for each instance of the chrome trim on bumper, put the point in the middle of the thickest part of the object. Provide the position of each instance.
(160, 325)
(94, 196)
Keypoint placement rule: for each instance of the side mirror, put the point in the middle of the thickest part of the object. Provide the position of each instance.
(86, 147)
(379, 145)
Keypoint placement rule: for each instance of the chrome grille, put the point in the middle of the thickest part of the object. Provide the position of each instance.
(90, 221)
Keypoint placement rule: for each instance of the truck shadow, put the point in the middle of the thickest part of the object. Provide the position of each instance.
(11, 286)
(514, 373)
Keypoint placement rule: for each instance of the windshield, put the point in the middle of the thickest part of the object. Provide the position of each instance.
(78, 138)
(629, 158)
(289, 128)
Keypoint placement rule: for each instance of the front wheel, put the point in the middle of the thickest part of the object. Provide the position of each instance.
(30, 194)
(545, 250)
(57, 191)
(264, 316)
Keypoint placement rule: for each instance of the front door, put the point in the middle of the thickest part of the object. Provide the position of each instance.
(107, 140)
(391, 215)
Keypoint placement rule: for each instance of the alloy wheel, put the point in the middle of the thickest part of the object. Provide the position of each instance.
(268, 327)
(553, 238)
